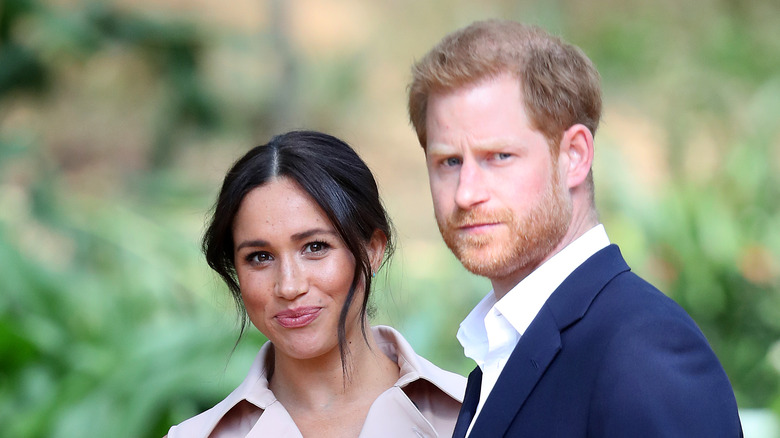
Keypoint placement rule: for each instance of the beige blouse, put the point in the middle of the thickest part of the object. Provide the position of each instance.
(424, 402)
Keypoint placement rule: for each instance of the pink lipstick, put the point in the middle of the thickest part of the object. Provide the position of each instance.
(298, 317)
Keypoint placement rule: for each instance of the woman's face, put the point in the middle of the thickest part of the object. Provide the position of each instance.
(294, 271)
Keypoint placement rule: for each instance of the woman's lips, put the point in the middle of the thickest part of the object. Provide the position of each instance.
(298, 317)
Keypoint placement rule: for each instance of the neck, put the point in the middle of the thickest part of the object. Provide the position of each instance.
(320, 384)
(583, 219)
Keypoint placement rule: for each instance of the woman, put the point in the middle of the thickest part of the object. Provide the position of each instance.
(298, 233)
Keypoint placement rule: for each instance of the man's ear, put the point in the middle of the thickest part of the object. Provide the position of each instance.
(576, 155)
(376, 249)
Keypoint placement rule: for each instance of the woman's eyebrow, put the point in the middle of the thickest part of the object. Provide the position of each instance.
(252, 243)
(306, 234)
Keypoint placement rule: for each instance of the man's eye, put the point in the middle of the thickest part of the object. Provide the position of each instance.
(502, 155)
(452, 161)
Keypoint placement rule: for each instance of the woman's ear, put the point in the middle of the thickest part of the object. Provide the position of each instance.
(376, 249)
(576, 155)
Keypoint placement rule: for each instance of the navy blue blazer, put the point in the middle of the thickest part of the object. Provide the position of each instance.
(608, 355)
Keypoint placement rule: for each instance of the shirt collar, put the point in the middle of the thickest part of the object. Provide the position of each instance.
(414, 367)
(393, 403)
(522, 303)
(254, 388)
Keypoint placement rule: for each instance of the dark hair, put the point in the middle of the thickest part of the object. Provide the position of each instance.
(338, 180)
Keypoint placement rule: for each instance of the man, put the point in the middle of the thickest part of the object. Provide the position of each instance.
(570, 343)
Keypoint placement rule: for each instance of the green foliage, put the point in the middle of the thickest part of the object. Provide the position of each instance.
(721, 267)
(711, 244)
(99, 330)
(111, 323)
(708, 237)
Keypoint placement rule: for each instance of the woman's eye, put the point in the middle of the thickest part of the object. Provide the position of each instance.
(315, 247)
(501, 155)
(259, 257)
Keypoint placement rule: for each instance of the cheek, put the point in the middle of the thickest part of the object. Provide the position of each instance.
(523, 187)
(336, 279)
(255, 297)
(443, 197)
(331, 280)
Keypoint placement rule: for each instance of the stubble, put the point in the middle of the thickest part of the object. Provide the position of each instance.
(531, 237)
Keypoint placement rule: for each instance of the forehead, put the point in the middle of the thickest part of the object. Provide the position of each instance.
(489, 111)
(281, 201)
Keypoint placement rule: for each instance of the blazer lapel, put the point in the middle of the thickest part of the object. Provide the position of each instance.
(569, 303)
(541, 343)
(470, 401)
(526, 365)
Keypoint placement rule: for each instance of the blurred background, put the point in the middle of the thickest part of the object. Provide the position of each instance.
(118, 120)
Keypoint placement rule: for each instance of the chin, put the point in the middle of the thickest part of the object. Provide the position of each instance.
(306, 352)
(503, 262)
(492, 271)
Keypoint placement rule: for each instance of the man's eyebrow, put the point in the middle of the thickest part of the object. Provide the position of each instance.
(499, 143)
(439, 150)
(488, 145)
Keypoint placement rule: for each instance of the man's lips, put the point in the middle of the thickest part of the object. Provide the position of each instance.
(477, 227)
(298, 317)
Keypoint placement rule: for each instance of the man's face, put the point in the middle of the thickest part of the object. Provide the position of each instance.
(497, 192)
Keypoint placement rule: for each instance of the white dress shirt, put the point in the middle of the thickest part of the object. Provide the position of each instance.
(490, 332)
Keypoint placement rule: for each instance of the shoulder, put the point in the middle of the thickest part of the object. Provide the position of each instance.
(605, 285)
(655, 366)
(628, 314)
(634, 302)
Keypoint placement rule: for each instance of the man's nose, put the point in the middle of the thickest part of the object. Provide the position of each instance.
(472, 188)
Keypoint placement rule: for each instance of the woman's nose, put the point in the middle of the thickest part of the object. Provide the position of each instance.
(291, 281)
